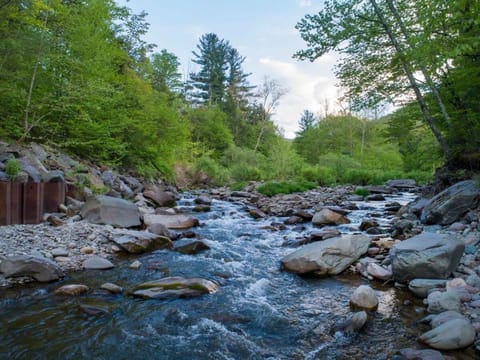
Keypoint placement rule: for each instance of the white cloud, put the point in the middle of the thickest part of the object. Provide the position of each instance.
(305, 3)
(310, 86)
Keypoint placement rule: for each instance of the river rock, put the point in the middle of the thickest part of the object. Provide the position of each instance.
(451, 335)
(175, 287)
(162, 230)
(328, 217)
(424, 354)
(39, 268)
(71, 290)
(137, 242)
(178, 221)
(97, 263)
(203, 200)
(402, 184)
(422, 287)
(451, 204)
(190, 246)
(379, 272)
(375, 197)
(135, 265)
(442, 301)
(329, 257)
(161, 198)
(364, 297)
(427, 256)
(324, 234)
(113, 288)
(436, 320)
(108, 210)
(353, 323)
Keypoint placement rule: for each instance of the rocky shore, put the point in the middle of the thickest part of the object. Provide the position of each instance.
(430, 246)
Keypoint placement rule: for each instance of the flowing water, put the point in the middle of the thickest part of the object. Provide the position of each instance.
(259, 312)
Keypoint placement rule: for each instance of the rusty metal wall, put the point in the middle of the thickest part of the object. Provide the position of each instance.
(25, 203)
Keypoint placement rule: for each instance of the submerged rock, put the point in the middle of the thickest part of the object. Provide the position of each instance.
(38, 268)
(426, 256)
(421, 287)
(190, 246)
(97, 263)
(329, 257)
(175, 287)
(353, 323)
(71, 290)
(113, 288)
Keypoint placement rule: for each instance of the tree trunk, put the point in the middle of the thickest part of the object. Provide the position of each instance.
(413, 83)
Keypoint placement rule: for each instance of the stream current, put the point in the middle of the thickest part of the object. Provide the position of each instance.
(259, 312)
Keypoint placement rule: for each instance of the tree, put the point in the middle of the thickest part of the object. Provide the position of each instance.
(269, 94)
(306, 121)
(165, 75)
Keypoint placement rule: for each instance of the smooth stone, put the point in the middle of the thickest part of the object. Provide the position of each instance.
(94, 310)
(113, 288)
(422, 287)
(424, 354)
(59, 252)
(364, 297)
(72, 290)
(135, 265)
(436, 320)
(203, 200)
(175, 287)
(442, 301)
(328, 257)
(87, 250)
(108, 210)
(39, 268)
(451, 335)
(379, 272)
(97, 263)
(62, 259)
(353, 323)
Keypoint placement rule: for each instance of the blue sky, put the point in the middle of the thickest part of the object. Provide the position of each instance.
(262, 31)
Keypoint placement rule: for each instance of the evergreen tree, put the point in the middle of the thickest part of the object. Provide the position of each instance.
(306, 121)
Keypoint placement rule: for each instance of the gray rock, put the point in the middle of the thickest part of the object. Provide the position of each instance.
(422, 287)
(59, 252)
(436, 320)
(364, 297)
(97, 263)
(203, 200)
(353, 323)
(375, 197)
(71, 290)
(443, 301)
(175, 287)
(39, 268)
(379, 272)
(190, 246)
(162, 230)
(33, 168)
(178, 221)
(451, 204)
(108, 177)
(403, 184)
(425, 354)
(165, 198)
(54, 176)
(108, 210)
(136, 242)
(328, 217)
(451, 335)
(329, 257)
(113, 288)
(426, 256)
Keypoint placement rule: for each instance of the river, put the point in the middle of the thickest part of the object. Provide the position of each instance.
(260, 312)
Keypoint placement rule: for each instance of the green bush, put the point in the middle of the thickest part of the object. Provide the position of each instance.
(274, 188)
(217, 175)
(326, 176)
(12, 169)
(361, 191)
(243, 172)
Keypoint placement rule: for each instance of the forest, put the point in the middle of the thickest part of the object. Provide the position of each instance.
(79, 76)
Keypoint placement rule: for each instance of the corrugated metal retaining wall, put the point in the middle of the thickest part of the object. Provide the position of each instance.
(25, 203)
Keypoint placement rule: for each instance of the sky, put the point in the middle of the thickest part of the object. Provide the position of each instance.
(261, 30)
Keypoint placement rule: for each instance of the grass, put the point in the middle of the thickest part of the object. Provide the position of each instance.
(274, 188)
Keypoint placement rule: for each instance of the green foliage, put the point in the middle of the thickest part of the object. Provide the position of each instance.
(274, 188)
(12, 168)
(361, 191)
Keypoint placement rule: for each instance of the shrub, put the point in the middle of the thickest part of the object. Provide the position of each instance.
(361, 191)
(12, 168)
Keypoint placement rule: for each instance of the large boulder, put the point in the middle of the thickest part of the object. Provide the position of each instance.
(451, 335)
(425, 256)
(173, 287)
(451, 204)
(136, 242)
(161, 198)
(329, 257)
(178, 221)
(108, 210)
(328, 217)
(38, 268)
